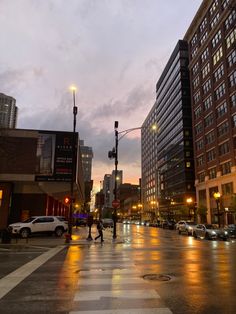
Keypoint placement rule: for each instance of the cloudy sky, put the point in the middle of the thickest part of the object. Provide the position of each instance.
(113, 51)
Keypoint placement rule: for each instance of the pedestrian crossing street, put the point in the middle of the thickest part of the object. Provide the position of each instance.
(109, 283)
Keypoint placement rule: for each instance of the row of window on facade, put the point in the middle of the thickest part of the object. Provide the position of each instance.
(211, 173)
(213, 22)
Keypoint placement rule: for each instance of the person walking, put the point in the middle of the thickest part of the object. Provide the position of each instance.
(100, 230)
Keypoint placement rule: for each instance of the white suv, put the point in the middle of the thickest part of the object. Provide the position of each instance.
(40, 224)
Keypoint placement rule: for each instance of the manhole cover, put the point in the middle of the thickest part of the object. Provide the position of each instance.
(157, 277)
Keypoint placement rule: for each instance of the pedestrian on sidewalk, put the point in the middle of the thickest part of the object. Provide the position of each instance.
(100, 230)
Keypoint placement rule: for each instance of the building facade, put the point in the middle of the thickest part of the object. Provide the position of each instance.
(87, 158)
(8, 111)
(212, 54)
(167, 152)
(36, 174)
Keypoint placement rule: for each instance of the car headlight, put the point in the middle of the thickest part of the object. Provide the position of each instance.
(190, 228)
(213, 232)
(226, 232)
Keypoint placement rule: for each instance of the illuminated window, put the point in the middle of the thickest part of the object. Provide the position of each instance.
(1, 195)
(231, 38)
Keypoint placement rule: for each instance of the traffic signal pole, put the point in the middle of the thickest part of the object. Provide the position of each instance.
(115, 185)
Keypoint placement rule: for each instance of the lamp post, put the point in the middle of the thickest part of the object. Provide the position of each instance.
(73, 162)
(189, 202)
(217, 197)
(114, 154)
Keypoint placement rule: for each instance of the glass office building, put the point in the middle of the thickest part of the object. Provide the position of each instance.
(167, 152)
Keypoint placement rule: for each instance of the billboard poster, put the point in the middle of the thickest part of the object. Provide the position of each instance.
(54, 156)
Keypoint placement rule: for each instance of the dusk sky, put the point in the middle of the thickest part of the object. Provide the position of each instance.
(114, 51)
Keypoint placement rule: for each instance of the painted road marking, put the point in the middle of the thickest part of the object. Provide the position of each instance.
(10, 281)
(106, 281)
(127, 311)
(124, 294)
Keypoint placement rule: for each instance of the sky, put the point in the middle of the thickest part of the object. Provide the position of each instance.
(113, 51)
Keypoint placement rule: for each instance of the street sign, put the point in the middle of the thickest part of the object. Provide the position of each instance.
(116, 203)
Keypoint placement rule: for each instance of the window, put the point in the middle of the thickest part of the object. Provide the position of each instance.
(209, 137)
(203, 24)
(199, 144)
(194, 40)
(219, 72)
(198, 128)
(232, 79)
(216, 38)
(194, 52)
(188, 164)
(227, 188)
(231, 38)
(196, 82)
(230, 20)
(232, 58)
(225, 3)
(211, 155)
(205, 54)
(233, 100)
(218, 55)
(212, 173)
(215, 20)
(213, 7)
(220, 91)
(201, 176)
(234, 121)
(207, 103)
(208, 120)
(200, 160)
(203, 38)
(195, 68)
(206, 86)
(224, 148)
(226, 168)
(221, 110)
(196, 97)
(205, 70)
(198, 112)
(223, 128)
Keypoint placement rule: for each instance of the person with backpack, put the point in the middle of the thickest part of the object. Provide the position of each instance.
(100, 231)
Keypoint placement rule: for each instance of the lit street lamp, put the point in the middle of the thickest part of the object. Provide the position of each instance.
(73, 162)
(217, 197)
(114, 154)
(190, 202)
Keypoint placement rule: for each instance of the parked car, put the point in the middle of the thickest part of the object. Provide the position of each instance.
(207, 231)
(231, 229)
(107, 223)
(186, 227)
(40, 224)
(81, 222)
(168, 224)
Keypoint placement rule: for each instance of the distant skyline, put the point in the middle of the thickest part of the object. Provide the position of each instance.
(114, 51)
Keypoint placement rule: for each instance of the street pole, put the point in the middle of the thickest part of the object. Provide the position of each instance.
(73, 163)
(115, 186)
(217, 196)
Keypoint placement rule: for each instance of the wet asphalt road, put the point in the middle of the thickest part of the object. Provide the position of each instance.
(202, 273)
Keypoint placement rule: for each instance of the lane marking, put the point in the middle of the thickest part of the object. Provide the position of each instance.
(10, 281)
(124, 294)
(107, 281)
(127, 311)
(101, 271)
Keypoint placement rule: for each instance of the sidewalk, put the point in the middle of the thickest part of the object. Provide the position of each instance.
(79, 237)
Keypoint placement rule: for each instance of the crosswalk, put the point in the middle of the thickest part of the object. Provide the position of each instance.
(109, 283)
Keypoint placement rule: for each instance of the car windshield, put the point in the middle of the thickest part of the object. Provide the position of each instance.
(191, 223)
(61, 218)
(28, 220)
(211, 226)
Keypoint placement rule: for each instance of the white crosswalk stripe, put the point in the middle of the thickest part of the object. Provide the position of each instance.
(110, 284)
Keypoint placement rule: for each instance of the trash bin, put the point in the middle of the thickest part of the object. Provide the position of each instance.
(6, 236)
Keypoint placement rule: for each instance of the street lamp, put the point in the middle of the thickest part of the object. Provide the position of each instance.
(73, 162)
(189, 202)
(114, 154)
(217, 197)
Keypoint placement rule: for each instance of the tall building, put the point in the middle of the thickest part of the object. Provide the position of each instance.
(212, 54)
(109, 185)
(8, 111)
(87, 157)
(167, 153)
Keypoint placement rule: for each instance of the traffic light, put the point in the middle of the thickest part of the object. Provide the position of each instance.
(67, 200)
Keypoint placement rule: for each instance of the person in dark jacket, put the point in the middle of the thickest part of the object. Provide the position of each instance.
(100, 231)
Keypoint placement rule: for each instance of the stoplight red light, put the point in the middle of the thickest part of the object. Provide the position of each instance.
(67, 200)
